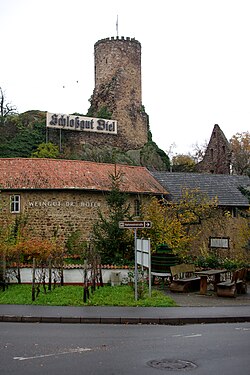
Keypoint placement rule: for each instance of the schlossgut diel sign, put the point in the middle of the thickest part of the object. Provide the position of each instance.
(81, 123)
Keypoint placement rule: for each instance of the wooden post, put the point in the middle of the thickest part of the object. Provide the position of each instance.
(3, 270)
(100, 271)
(50, 275)
(85, 282)
(61, 275)
(203, 284)
(34, 280)
(18, 270)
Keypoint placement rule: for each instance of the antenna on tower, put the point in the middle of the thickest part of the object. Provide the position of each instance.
(117, 26)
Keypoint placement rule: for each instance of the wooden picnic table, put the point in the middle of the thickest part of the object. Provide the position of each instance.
(204, 275)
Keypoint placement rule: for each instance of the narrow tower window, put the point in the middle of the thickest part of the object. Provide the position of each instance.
(137, 207)
(212, 153)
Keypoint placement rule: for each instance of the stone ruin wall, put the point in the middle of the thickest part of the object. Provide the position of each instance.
(217, 158)
(117, 87)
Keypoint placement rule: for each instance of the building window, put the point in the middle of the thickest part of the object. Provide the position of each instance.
(137, 208)
(15, 204)
(234, 212)
(212, 153)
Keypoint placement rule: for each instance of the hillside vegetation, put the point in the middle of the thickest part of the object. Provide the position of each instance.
(22, 136)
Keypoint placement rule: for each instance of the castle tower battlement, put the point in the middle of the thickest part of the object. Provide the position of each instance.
(118, 89)
(120, 59)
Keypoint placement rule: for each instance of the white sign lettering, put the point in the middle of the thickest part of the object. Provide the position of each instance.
(67, 204)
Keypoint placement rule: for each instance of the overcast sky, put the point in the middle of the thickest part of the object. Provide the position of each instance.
(195, 60)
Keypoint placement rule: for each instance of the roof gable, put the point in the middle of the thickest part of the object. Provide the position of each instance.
(35, 173)
(224, 187)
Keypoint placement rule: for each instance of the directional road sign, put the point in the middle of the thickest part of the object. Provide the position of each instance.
(134, 224)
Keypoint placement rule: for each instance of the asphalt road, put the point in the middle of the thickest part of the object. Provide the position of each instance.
(67, 349)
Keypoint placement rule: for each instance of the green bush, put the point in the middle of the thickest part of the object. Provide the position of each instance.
(211, 261)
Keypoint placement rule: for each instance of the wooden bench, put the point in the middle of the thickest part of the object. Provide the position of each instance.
(184, 279)
(161, 263)
(235, 285)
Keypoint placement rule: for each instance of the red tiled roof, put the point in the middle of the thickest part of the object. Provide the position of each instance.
(73, 174)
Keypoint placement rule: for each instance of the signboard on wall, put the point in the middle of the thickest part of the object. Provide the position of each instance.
(81, 123)
(219, 242)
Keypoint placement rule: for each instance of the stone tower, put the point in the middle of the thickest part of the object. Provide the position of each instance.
(118, 90)
(217, 157)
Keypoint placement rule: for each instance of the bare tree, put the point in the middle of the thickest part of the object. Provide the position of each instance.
(5, 107)
(199, 151)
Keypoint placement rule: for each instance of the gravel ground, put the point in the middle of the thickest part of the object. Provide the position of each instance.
(210, 299)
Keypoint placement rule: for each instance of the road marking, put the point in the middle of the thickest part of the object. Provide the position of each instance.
(77, 350)
(192, 335)
(243, 329)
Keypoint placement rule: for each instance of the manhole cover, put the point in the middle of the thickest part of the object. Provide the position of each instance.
(171, 364)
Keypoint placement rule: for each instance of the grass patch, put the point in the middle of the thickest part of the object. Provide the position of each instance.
(73, 296)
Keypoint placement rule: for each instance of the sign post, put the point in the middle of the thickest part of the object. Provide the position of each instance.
(135, 225)
(136, 271)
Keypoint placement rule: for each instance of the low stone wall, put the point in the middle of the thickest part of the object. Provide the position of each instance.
(75, 276)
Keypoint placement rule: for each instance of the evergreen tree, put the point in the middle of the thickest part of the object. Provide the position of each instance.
(114, 244)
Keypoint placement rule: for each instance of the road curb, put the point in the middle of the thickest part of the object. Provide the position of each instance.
(119, 320)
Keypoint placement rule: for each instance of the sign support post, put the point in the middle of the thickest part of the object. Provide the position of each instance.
(135, 225)
(149, 270)
(136, 271)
